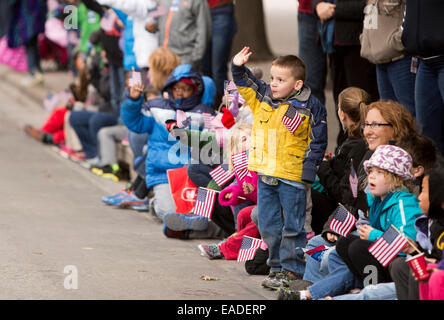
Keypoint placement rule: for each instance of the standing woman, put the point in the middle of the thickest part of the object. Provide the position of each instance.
(26, 21)
(381, 44)
(341, 25)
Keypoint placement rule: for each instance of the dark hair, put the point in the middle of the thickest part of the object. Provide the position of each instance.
(422, 150)
(351, 101)
(292, 62)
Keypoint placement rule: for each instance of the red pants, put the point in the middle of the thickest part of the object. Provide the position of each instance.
(54, 125)
(245, 227)
(433, 289)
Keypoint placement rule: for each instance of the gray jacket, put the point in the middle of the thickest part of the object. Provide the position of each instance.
(185, 29)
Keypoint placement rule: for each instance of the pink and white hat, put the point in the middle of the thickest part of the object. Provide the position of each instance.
(392, 159)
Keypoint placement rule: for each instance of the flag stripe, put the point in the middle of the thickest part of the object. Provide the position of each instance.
(221, 176)
(248, 248)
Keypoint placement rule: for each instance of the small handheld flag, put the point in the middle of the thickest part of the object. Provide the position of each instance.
(182, 120)
(292, 119)
(205, 202)
(248, 248)
(221, 174)
(342, 222)
(240, 163)
(353, 179)
(136, 78)
(387, 247)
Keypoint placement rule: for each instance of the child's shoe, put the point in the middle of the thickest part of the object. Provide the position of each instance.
(212, 251)
(34, 132)
(273, 281)
(129, 201)
(287, 294)
(288, 277)
(175, 234)
(185, 221)
(141, 207)
(111, 200)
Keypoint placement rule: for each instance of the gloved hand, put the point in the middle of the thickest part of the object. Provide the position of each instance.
(170, 125)
(227, 118)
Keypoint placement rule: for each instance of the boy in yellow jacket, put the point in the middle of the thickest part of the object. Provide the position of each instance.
(289, 139)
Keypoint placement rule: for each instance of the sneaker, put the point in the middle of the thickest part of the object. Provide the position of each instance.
(34, 132)
(175, 234)
(140, 207)
(298, 285)
(212, 251)
(77, 156)
(287, 294)
(185, 221)
(30, 81)
(129, 201)
(112, 200)
(273, 281)
(107, 172)
(289, 277)
(89, 163)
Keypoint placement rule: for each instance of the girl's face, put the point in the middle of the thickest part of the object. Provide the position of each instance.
(423, 197)
(378, 182)
(380, 134)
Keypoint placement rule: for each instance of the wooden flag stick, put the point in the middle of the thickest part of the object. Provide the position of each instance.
(408, 240)
(219, 192)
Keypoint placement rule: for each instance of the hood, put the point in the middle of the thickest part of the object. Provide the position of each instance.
(185, 71)
(209, 91)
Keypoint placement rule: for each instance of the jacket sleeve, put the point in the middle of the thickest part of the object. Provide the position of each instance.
(203, 27)
(249, 87)
(316, 148)
(130, 113)
(136, 8)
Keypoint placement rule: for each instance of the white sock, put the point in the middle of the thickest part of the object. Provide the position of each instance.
(302, 295)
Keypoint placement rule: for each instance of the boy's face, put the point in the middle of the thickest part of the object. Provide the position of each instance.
(182, 90)
(282, 82)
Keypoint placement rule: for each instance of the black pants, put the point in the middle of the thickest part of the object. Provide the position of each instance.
(224, 218)
(354, 252)
(407, 287)
(321, 210)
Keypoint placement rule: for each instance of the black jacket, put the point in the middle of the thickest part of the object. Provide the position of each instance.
(348, 18)
(423, 33)
(334, 174)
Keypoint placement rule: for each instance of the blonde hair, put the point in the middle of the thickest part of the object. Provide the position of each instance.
(353, 101)
(235, 134)
(396, 182)
(403, 123)
(161, 63)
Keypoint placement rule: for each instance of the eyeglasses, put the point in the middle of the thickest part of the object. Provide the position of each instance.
(375, 125)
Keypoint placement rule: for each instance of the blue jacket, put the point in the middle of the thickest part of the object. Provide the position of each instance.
(400, 208)
(164, 151)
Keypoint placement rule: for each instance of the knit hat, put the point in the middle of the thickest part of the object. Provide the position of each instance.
(191, 82)
(392, 159)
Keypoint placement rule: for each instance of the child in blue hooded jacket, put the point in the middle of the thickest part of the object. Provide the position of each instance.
(184, 90)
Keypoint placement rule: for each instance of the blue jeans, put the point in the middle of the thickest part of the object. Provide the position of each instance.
(281, 219)
(397, 83)
(117, 86)
(429, 101)
(87, 124)
(214, 63)
(338, 281)
(33, 56)
(316, 270)
(380, 291)
(137, 142)
(311, 53)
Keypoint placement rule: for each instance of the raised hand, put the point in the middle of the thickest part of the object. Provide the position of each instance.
(242, 56)
(135, 91)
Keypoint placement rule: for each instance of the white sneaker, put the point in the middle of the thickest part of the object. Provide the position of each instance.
(30, 81)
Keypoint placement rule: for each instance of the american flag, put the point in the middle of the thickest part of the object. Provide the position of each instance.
(205, 202)
(342, 222)
(292, 119)
(387, 247)
(182, 120)
(136, 79)
(353, 179)
(221, 174)
(248, 248)
(240, 163)
(207, 117)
